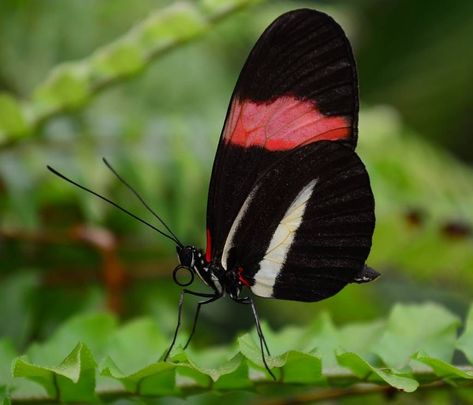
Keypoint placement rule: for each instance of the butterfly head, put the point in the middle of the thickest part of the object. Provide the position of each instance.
(186, 255)
(187, 259)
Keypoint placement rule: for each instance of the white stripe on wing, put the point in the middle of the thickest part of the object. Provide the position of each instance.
(281, 242)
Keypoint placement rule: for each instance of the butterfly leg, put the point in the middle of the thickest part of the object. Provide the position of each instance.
(249, 301)
(196, 316)
(262, 340)
(179, 315)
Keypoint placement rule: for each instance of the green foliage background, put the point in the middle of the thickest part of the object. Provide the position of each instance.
(86, 293)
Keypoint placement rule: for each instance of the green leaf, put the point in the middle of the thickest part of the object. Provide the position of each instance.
(72, 380)
(326, 340)
(237, 378)
(94, 330)
(250, 348)
(17, 289)
(442, 368)
(13, 121)
(291, 365)
(130, 362)
(186, 375)
(292, 350)
(213, 363)
(363, 370)
(153, 379)
(7, 354)
(301, 368)
(411, 328)
(9, 386)
(465, 342)
(137, 344)
(362, 337)
(4, 397)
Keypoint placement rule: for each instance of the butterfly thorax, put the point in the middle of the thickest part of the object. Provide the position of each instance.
(220, 280)
(212, 274)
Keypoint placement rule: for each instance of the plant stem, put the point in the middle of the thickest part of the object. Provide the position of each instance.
(310, 396)
(327, 394)
(99, 85)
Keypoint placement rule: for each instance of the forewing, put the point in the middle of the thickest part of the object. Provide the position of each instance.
(298, 86)
(307, 226)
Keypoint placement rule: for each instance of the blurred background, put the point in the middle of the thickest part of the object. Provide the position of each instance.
(63, 252)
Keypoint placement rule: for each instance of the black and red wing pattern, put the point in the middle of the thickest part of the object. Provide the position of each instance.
(297, 89)
(300, 78)
(307, 227)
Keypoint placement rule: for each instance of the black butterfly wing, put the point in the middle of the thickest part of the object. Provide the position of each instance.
(305, 230)
(298, 86)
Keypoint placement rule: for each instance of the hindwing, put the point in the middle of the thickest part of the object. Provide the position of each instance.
(306, 229)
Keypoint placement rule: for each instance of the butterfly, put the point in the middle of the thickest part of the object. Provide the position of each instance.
(290, 211)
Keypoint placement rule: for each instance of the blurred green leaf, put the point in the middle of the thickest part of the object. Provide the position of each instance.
(136, 344)
(361, 337)
(17, 290)
(326, 340)
(94, 330)
(12, 117)
(7, 354)
(465, 342)
(411, 328)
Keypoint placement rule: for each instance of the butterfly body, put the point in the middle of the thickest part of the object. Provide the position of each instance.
(213, 275)
(290, 211)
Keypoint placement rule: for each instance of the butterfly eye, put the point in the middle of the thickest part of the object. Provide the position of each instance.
(182, 279)
(186, 256)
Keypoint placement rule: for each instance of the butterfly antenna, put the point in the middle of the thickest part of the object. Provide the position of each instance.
(54, 171)
(128, 185)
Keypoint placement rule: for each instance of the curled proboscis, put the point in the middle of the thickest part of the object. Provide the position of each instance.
(176, 277)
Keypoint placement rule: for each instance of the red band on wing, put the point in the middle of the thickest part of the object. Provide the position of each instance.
(282, 125)
(208, 250)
